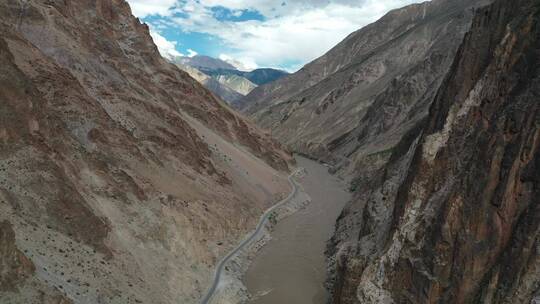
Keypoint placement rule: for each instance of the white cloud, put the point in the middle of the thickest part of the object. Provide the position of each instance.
(241, 63)
(143, 8)
(291, 34)
(192, 53)
(166, 48)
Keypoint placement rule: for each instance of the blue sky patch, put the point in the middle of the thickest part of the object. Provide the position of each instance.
(224, 14)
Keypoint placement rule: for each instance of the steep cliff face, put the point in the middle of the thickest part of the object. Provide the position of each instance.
(353, 105)
(122, 180)
(455, 215)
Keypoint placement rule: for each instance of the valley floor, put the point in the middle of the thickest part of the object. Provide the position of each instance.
(291, 267)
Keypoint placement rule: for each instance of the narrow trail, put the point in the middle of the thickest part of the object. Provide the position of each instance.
(260, 226)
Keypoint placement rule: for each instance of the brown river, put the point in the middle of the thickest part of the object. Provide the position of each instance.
(290, 268)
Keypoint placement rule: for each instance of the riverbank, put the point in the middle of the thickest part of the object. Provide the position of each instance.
(231, 289)
(291, 267)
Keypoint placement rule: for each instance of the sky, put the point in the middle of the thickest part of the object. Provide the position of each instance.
(283, 34)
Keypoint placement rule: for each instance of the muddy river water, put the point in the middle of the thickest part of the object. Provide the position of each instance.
(290, 269)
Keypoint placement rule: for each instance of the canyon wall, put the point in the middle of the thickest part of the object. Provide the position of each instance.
(432, 113)
(353, 105)
(455, 215)
(122, 179)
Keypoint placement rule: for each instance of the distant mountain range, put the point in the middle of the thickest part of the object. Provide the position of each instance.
(258, 76)
(225, 80)
(214, 85)
(205, 63)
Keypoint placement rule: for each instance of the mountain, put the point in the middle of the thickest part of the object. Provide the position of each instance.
(193, 72)
(228, 86)
(217, 67)
(224, 91)
(205, 63)
(258, 76)
(455, 216)
(122, 179)
(264, 75)
(231, 84)
(354, 104)
(433, 113)
(237, 83)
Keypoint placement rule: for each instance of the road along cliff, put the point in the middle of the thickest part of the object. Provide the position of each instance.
(251, 237)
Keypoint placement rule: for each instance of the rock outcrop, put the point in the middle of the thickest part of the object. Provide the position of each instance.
(122, 179)
(455, 216)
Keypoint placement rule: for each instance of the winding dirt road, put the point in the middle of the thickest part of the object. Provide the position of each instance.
(262, 222)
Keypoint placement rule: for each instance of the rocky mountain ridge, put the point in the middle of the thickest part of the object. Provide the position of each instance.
(432, 112)
(238, 83)
(205, 63)
(220, 89)
(122, 179)
(260, 76)
(225, 80)
(353, 105)
(454, 216)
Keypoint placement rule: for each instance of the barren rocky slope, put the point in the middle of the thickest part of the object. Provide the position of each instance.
(205, 63)
(223, 79)
(237, 83)
(222, 91)
(258, 76)
(122, 180)
(442, 144)
(353, 105)
(455, 215)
